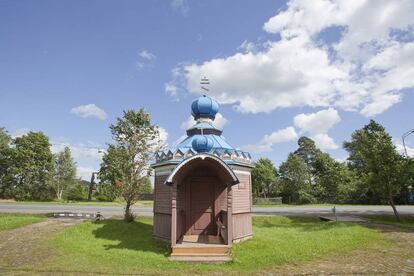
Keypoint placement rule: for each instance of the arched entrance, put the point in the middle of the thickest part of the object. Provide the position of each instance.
(201, 188)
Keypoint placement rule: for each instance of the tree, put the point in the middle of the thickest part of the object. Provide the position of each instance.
(337, 182)
(294, 176)
(126, 163)
(307, 151)
(5, 139)
(5, 164)
(77, 190)
(374, 157)
(32, 166)
(264, 177)
(65, 172)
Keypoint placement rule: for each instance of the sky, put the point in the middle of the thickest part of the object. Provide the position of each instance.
(279, 69)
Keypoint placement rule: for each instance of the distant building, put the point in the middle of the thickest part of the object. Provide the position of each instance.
(202, 190)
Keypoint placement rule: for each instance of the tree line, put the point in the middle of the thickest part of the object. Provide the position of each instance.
(30, 171)
(374, 173)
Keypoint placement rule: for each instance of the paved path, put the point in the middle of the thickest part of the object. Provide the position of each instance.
(147, 210)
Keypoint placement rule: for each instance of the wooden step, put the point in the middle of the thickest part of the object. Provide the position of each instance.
(201, 250)
(201, 258)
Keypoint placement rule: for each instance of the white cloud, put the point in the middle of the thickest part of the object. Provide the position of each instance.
(19, 132)
(317, 125)
(280, 136)
(181, 6)
(171, 89)
(247, 46)
(163, 136)
(146, 59)
(220, 121)
(145, 54)
(365, 70)
(87, 157)
(85, 173)
(400, 148)
(324, 142)
(89, 111)
(319, 122)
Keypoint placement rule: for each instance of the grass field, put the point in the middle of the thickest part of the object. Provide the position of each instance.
(11, 221)
(115, 247)
(406, 221)
(93, 202)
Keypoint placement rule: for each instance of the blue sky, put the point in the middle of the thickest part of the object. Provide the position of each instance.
(279, 69)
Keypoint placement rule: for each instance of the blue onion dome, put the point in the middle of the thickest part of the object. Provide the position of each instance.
(202, 143)
(204, 107)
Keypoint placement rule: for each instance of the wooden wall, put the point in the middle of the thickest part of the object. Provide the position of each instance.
(242, 225)
(162, 208)
(242, 200)
(162, 226)
(180, 210)
(162, 192)
(242, 206)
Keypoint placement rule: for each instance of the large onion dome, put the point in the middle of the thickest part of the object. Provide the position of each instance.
(204, 107)
(202, 143)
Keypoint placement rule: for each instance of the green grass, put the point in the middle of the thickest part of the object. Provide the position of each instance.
(11, 221)
(93, 202)
(310, 204)
(115, 247)
(406, 221)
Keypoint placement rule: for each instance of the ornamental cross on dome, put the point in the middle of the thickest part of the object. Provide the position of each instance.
(204, 83)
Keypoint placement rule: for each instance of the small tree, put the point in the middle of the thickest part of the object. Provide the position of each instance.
(294, 179)
(374, 157)
(264, 177)
(65, 172)
(126, 163)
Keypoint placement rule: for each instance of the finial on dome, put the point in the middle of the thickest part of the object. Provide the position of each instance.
(204, 107)
(202, 143)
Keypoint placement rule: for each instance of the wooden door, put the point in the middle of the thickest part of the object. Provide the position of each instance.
(200, 206)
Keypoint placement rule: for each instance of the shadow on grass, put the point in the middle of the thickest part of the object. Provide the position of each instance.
(133, 236)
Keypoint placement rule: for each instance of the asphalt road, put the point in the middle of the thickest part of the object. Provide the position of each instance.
(147, 210)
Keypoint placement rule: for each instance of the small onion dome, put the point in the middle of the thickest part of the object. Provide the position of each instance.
(204, 107)
(202, 143)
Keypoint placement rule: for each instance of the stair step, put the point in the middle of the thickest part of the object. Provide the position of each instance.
(201, 259)
(199, 254)
(200, 250)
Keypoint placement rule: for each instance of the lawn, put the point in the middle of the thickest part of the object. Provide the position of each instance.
(406, 221)
(115, 247)
(93, 202)
(11, 221)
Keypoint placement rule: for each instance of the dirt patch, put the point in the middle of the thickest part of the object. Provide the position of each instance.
(28, 244)
(396, 259)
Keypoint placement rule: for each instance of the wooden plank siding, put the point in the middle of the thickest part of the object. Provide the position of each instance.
(242, 201)
(180, 210)
(242, 225)
(162, 208)
(162, 203)
(162, 226)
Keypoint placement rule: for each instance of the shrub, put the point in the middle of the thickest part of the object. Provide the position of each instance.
(77, 191)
